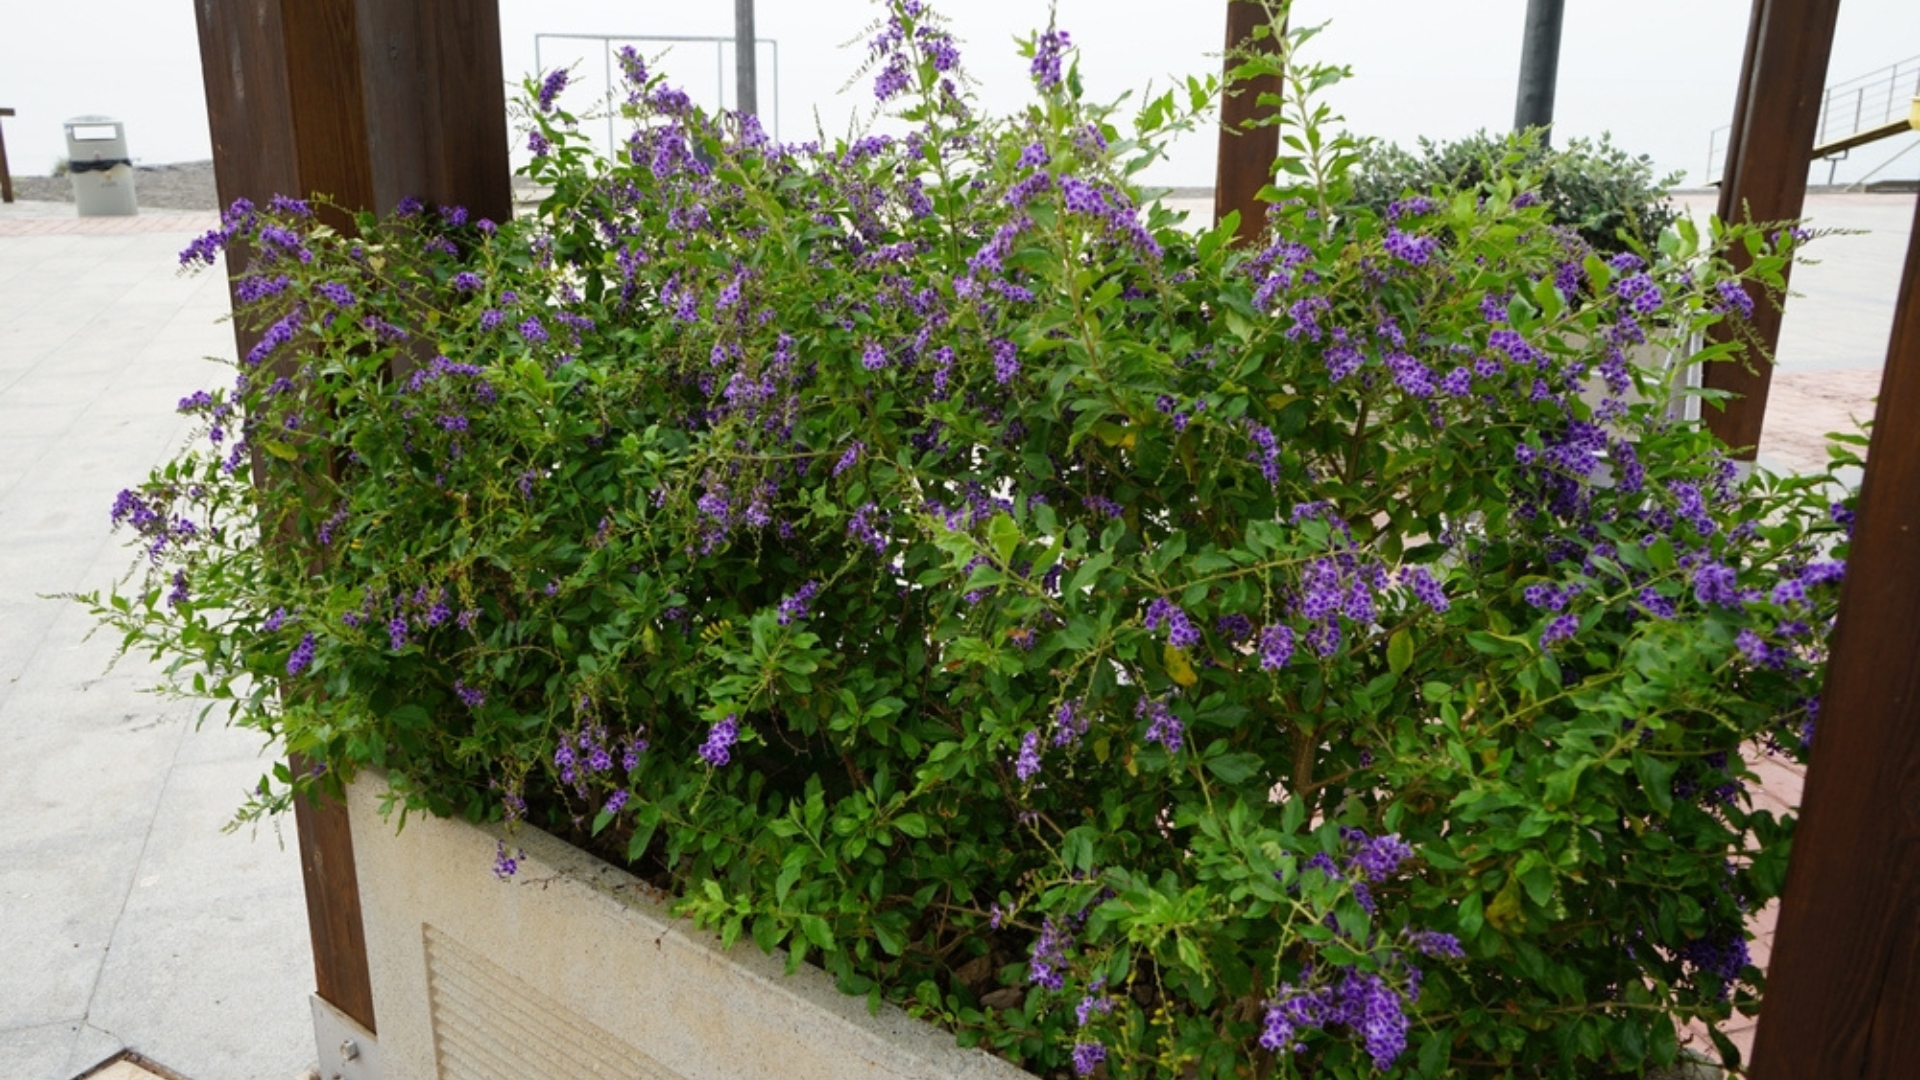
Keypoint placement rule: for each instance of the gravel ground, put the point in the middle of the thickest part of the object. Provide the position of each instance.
(187, 185)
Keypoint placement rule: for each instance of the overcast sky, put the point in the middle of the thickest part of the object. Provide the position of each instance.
(1658, 74)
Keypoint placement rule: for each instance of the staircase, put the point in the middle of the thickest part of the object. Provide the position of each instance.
(1862, 110)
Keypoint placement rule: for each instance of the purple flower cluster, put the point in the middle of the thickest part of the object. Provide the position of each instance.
(1181, 633)
(1087, 1057)
(1426, 588)
(797, 606)
(1411, 248)
(1070, 722)
(1027, 764)
(302, 656)
(718, 749)
(1361, 1002)
(862, 528)
(1047, 52)
(1276, 647)
(551, 86)
(1047, 962)
(1162, 726)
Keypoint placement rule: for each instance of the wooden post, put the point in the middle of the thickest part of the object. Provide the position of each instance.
(1843, 989)
(1245, 164)
(1769, 150)
(366, 103)
(6, 173)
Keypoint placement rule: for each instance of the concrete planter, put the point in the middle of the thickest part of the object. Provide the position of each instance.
(574, 968)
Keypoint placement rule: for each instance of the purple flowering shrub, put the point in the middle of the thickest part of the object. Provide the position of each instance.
(1136, 652)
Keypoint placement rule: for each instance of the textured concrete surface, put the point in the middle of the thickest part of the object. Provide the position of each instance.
(573, 967)
(130, 920)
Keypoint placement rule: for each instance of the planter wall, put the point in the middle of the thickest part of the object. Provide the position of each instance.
(574, 968)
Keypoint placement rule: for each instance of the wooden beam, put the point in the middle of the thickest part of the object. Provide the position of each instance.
(1843, 988)
(1245, 164)
(6, 173)
(366, 103)
(1775, 116)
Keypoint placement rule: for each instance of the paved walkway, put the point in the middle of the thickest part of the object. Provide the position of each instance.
(127, 918)
(130, 920)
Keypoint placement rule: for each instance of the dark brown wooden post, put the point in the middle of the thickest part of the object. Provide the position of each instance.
(1769, 151)
(1843, 989)
(6, 173)
(366, 103)
(1245, 164)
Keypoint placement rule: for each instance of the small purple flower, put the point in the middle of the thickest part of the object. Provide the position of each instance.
(397, 632)
(796, 606)
(1425, 588)
(466, 281)
(1163, 727)
(471, 697)
(616, 800)
(338, 294)
(1379, 857)
(1276, 647)
(1087, 1056)
(1070, 722)
(1562, 628)
(1046, 58)
(718, 749)
(1006, 361)
(1027, 765)
(550, 88)
(849, 459)
(873, 357)
(302, 656)
(1436, 945)
(1046, 964)
(504, 865)
(1181, 633)
(533, 332)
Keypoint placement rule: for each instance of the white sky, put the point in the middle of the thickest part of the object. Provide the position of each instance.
(1658, 74)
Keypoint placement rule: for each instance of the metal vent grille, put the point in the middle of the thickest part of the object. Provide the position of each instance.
(490, 1025)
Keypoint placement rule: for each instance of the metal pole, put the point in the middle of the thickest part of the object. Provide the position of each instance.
(1539, 64)
(745, 57)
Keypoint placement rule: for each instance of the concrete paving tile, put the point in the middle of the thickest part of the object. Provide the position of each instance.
(194, 1006)
(91, 1046)
(62, 904)
(40, 1052)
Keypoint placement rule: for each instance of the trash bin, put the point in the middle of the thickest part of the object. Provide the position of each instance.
(102, 171)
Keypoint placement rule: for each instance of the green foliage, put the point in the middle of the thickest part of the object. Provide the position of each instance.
(1094, 635)
(1610, 197)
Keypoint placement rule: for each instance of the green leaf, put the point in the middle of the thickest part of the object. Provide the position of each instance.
(1235, 768)
(1004, 535)
(817, 931)
(1400, 650)
(1656, 779)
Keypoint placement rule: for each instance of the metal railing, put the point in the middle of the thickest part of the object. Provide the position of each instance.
(1874, 100)
(609, 44)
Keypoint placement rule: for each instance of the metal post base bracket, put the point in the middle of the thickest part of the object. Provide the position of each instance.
(347, 1050)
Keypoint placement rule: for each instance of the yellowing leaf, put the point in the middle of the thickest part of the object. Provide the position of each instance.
(1505, 913)
(1179, 669)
